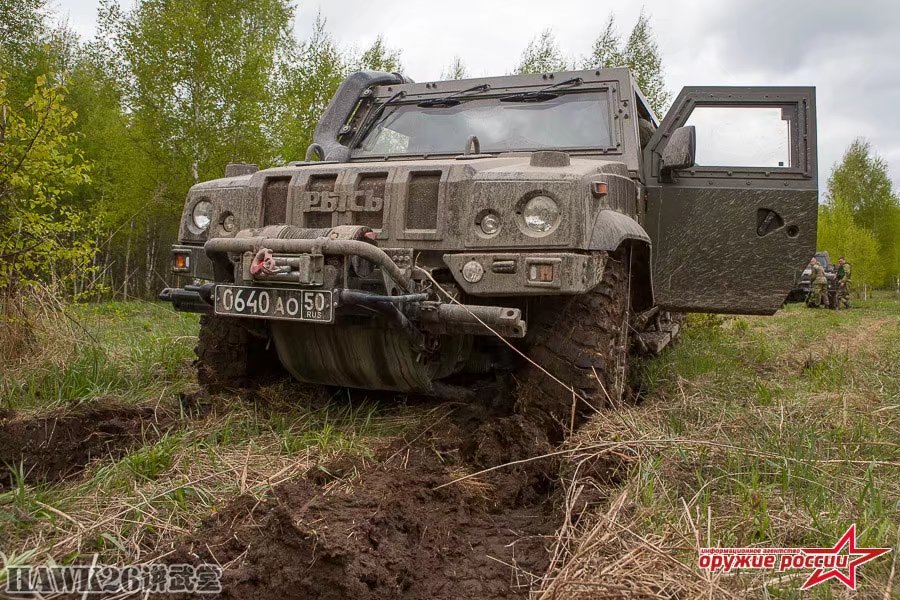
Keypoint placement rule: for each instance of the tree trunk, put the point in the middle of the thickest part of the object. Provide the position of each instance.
(127, 260)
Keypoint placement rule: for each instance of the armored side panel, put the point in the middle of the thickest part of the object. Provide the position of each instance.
(733, 230)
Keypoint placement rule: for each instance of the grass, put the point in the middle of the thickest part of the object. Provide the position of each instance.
(132, 507)
(755, 431)
(129, 352)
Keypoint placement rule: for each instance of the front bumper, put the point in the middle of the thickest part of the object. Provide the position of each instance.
(412, 313)
(341, 262)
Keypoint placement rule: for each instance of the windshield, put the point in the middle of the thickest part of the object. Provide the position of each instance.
(575, 120)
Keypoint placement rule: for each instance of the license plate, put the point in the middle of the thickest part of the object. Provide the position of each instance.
(274, 303)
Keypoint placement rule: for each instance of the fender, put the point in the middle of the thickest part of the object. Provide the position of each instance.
(611, 228)
(613, 231)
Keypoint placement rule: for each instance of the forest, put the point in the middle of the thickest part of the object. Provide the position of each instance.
(100, 139)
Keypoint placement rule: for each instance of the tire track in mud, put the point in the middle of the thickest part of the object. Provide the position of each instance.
(393, 529)
(388, 531)
(59, 446)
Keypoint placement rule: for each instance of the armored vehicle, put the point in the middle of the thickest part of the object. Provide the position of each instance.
(532, 223)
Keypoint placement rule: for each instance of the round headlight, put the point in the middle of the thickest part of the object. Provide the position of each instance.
(490, 223)
(200, 214)
(541, 214)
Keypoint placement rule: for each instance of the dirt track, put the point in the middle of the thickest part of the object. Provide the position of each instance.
(387, 532)
(56, 447)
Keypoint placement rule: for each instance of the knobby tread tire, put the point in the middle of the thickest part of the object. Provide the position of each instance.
(583, 342)
(229, 356)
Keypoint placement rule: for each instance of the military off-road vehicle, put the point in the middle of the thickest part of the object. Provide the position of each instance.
(443, 229)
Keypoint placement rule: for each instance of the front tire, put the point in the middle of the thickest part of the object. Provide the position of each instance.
(231, 355)
(583, 342)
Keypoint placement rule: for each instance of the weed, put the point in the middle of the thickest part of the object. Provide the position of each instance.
(757, 431)
(143, 350)
(152, 461)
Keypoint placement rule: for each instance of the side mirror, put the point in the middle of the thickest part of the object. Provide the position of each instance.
(679, 152)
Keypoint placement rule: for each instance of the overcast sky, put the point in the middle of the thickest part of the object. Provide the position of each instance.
(849, 50)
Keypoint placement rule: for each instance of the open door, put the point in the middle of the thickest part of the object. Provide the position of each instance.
(732, 198)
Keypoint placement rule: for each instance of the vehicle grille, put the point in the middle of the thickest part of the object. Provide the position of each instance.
(376, 183)
(275, 196)
(623, 195)
(422, 201)
(319, 183)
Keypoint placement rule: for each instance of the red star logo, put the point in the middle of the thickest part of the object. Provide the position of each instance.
(849, 540)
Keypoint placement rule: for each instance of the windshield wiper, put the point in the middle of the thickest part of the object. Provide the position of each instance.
(372, 119)
(452, 99)
(542, 94)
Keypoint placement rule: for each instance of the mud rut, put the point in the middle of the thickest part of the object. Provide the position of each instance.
(389, 526)
(398, 527)
(52, 448)
(385, 531)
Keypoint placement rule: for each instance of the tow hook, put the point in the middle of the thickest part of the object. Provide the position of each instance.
(190, 298)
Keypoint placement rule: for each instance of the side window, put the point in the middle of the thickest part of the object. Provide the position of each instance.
(759, 136)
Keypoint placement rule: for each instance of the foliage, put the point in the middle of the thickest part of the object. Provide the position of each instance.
(199, 72)
(640, 53)
(542, 55)
(840, 236)
(307, 78)
(41, 237)
(456, 70)
(861, 217)
(21, 21)
(379, 57)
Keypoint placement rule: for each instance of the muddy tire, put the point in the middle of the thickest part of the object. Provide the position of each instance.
(583, 342)
(232, 356)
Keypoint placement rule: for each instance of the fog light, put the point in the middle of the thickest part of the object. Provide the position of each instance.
(540, 272)
(490, 223)
(473, 271)
(228, 223)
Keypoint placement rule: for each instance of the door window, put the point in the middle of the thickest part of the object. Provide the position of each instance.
(744, 136)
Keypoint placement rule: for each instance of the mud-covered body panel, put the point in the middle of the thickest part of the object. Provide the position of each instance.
(457, 191)
(734, 235)
(708, 252)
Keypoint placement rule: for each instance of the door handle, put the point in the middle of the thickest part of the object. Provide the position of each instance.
(767, 221)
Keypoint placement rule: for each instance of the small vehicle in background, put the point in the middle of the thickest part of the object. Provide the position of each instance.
(801, 291)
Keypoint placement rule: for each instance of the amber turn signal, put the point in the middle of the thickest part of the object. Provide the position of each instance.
(182, 262)
(541, 272)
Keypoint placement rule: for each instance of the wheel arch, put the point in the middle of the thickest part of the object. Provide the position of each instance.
(619, 234)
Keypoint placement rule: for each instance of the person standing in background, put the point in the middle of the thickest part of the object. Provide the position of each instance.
(843, 284)
(818, 289)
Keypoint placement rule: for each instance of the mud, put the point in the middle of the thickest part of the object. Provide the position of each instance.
(391, 531)
(53, 448)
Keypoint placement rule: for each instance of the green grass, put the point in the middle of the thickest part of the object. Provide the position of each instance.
(775, 431)
(140, 353)
(127, 352)
(786, 429)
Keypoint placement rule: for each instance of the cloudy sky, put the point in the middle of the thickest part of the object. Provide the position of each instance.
(849, 50)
